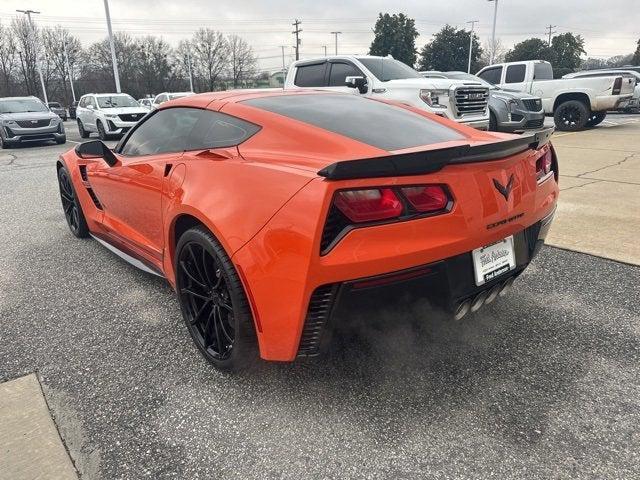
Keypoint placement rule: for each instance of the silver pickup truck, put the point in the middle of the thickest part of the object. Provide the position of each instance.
(575, 103)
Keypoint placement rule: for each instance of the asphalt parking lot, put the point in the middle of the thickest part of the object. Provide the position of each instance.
(544, 383)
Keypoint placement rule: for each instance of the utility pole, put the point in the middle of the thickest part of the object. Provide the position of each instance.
(550, 28)
(113, 47)
(35, 46)
(297, 32)
(335, 34)
(493, 31)
(473, 23)
(66, 60)
(325, 50)
(189, 68)
(284, 69)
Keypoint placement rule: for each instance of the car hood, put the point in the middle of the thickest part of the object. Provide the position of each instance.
(121, 110)
(511, 94)
(27, 116)
(433, 83)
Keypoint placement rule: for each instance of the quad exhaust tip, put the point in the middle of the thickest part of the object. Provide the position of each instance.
(483, 298)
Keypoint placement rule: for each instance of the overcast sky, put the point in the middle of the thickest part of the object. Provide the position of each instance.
(608, 27)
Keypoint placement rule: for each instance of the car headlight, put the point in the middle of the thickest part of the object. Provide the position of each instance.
(9, 123)
(111, 115)
(512, 104)
(433, 97)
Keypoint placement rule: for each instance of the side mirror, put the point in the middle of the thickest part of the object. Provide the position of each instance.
(356, 82)
(96, 149)
(90, 107)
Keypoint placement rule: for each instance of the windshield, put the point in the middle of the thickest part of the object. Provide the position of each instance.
(178, 95)
(469, 77)
(117, 101)
(21, 105)
(385, 69)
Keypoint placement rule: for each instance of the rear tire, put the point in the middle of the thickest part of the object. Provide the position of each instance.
(596, 119)
(213, 302)
(71, 205)
(83, 133)
(571, 116)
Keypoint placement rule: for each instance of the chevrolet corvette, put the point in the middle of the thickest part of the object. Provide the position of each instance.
(272, 213)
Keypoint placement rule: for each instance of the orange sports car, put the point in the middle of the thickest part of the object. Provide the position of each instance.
(271, 212)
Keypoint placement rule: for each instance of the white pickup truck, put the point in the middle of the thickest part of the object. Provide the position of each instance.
(575, 103)
(386, 78)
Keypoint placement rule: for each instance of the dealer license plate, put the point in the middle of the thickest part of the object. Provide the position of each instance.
(493, 260)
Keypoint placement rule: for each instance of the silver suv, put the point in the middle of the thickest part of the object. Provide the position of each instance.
(27, 119)
(108, 114)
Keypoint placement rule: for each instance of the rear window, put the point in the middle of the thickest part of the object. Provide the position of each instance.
(542, 71)
(375, 123)
(515, 74)
(310, 75)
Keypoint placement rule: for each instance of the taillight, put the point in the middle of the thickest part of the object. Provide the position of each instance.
(617, 86)
(368, 205)
(544, 164)
(426, 198)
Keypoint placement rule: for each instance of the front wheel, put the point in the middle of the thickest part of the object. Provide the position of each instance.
(71, 205)
(102, 132)
(61, 141)
(571, 116)
(213, 302)
(596, 119)
(493, 122)
(83, 133)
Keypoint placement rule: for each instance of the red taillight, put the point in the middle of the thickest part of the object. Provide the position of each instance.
(426, 198)
(368, 205)
(543, 164)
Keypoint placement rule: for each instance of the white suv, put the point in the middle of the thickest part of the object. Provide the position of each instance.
(108, 114)
(389, 79)
(166, 96)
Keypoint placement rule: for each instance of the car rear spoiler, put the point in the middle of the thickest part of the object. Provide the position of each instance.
(430, 161)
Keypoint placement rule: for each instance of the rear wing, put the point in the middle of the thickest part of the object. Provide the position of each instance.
(430, 161)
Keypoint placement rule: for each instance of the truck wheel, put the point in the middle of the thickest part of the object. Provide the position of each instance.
(596, 119)
(571, 116)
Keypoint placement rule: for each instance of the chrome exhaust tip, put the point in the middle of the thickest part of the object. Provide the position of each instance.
(506, 286)
(493, 293)
(462, 310)
(478, 301)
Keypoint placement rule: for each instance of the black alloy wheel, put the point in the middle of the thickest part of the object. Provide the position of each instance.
(102, 132)
(71, 205)
(83, 133)
(213, 302)
(596, 119)
(571, 115)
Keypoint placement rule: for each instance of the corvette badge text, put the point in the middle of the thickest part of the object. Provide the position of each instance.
(506, 220)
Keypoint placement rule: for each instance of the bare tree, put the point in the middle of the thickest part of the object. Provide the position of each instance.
(210, 56)
(487, 48)
(53, 42)
(25, 38)
(8, 60)
(242, 61)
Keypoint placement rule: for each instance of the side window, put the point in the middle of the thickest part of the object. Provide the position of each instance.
(340, 71)
(92, 101)
(82, 101)
(515, 73)
(491, 75)
(179, 129)
(310, 75)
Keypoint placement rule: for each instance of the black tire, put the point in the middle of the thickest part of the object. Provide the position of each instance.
(71, 205)
(493, 122)
(571, 116)
(102, 133)
(4, 145)
(61, 141)
(213, 302)
(595, 119)
(82, 131)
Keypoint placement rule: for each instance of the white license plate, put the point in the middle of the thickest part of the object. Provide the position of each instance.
(493, 260)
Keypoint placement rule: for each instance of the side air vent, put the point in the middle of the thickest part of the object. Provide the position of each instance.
(92, 194)
(96, 202)
(333, 227)
(83, 173)
(315, 322)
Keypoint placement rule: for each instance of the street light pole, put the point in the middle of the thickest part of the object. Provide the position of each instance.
(35, 45)
(113, 47)
(66, 60)
(325, 50)
(472, 22)
(336, 39)
(493, 32)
